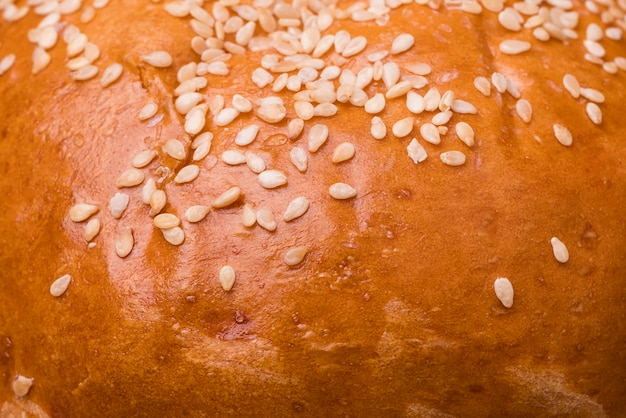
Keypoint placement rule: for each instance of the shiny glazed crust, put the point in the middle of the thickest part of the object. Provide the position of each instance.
(392, 311)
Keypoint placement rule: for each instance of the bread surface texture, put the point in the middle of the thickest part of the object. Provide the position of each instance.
(312, 208)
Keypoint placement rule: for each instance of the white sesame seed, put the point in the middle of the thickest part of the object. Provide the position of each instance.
(294, 128)
(227, 198)
(233, 157)
(343, 152)
(148, 189)
(610, 67)
(391, 74)
(118, 204)
(559, 250)
(325, 110)
(21, 384)
(432, 98)
(148, 110)
(248, 216)
(265, 219)
(510, 19)
(465, 133)
(415, 102)
(504, 291)
(472, 7)
(592, 94)
(452, 158)
(157, 201)
(241, 104)
(143, 158)
(261, 77)
(77, 44)
(324, 95)
(130, 178)
(225, 116)
(463, 107)
(186, 101)
(499, 81)
(323, 46)
(403, 127)
(60, 285)
(441, 118)
(187, 174)
(174, 236)
(295, 255)
(246, 135)
(85, 73)
(399, 89)
(430, 133)
(175, 149)
(378, 128)
(296, 208)
(196, 213)
(271, 179)
(195, 119)
(594, 113)
(159, 59)
(482, 85)
(402, 43)
(82, 211)
(124, 243)
(342, 38)
(614, 33)
(318, 134)
(571, 85)
(304, 110)
(271, 113)
(524, 110)
(562, 134)
(6, 63)
(416, 151)
(512, 88)
(111, 74)
(376, 104)
(77, 63)
(227, 277)
(341, 191)
(541, 34)
(92, 229)
(594, 48)
(299, 158)
(166, 221)
(594, 32)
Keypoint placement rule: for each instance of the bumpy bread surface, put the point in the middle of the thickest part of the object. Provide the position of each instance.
(392, 312)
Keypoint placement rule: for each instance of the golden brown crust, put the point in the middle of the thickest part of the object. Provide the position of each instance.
(392, 311)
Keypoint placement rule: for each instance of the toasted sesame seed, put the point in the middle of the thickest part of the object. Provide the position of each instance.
(416, 151)
(118, 204)
(157, 202)
(465, 133)
(92, 229)
(571, 85)
(187, 174)
(504, 291)
(343, 152)
(482, 85)
(295, 255)
(429, 132)
(82, 211)
(318, 134)
(159, 59)
(452, 158)
(175, 149)
(125, 243)
(130, 178)
(562, 134)
(271, 179)
(341, 191)
(594, 113)
(559, 250)
(60, 285)
(403, 127)
(378, 128)
(592, 94)
(148, 110)
(227, 198)
(174, 236)
(265, 219)
(148, 189)
(21, 385)
(227, 277)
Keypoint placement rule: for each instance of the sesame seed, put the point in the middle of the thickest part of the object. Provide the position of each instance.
(594, 48)
(295, 128)
(402, 43)
(299, 158)
(510, 19)
(295, 255)
(415, 102)
(429, 132)
(343, 152)
(143, 158)
(195, 119)
(76, 44)
(541, 34)
(524, 110)
(77, 63)
(159, 59)
(482, 85)
(499, 81)
(572, 85)
(304, 110)
(614, 33)
(592, 94)
(124, 244)
(504, 291)
(111, 74)
(166, 221)
(376, 104)
(559, 250)
(463, 107)
(342, 38)
(452, 158)
(227, 277)
(118, 204)
(60, 285)
(227, 198)
(378, 128)
(403, 127)
(325, 110)
(391, 74)
(441, 118)
(562, 134)
(399, 89)
(148, 189)
(248, 216)
(21, 385)
(187, 174)
(296, 208)
(432, 98)
(246, 135)
(85, 73)
(157, 201)
(82, 211)
(472, 7)
(594, 32)
(148, 110)
(241, 104)
(6, 63)
(323, 46)
(594, 113)
(175, 149)
(130, 178)
(271, 113)
(92, 229)
(261, 78)
(174, 236)
(196, 213)
(416, 151)
(465, 133)
(265, 219)
(610, 67)
(271, 179)
(341, 191)
(233, 157)
(318, 134)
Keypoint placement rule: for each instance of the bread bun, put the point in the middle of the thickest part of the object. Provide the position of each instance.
(398, 209)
